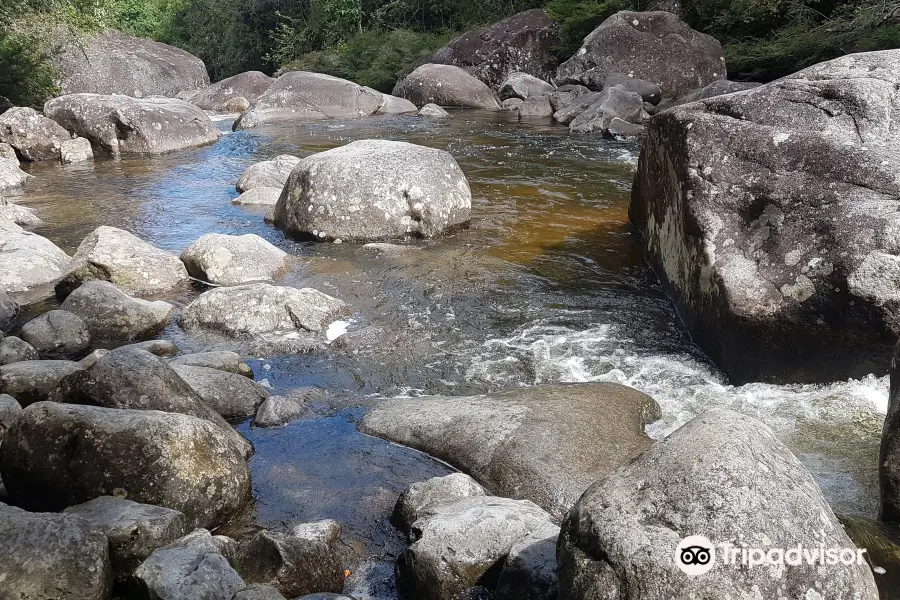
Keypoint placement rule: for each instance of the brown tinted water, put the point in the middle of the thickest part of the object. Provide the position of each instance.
(548, 284)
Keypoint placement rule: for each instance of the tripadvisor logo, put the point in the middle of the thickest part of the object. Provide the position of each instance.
(696, 555)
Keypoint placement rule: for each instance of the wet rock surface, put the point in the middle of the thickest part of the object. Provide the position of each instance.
(424, 494)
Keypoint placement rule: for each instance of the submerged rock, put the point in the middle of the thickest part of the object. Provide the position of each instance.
(424, 494)
(654, 46)
(125, 260)
(134, 530)
(219, 96)
(191, 568)
(234, 259)
(33, 381)
(445, 85)
(524, 42)
(112, 315)
(547, 444)
(43, 555)
(58, 334)
(770, 216)
(27, 260)
(460, 545)
(303, 96)
(620, 539)
(124, 125)
(111, 62)
(302, 562)
(374, 189)
(257, 308)
(59, 455)
(32, 135)
(268, 173)
(232, 396)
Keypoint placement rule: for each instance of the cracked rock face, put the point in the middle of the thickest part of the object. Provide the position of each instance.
(374, 190)
(726, 477)
(303, 96)
(771, 216)
(655, 46)
(125, 125)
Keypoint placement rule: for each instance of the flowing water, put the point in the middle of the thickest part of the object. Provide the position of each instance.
(548, 284)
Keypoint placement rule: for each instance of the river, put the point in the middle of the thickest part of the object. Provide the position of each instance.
(548, 284)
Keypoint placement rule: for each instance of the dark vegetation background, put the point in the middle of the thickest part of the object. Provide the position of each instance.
(373, 42)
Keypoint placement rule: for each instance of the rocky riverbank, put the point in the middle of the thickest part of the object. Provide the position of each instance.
(150, 425)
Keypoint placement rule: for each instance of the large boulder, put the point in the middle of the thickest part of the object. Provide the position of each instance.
(374, 189)
(111, 62)
(122, 258)
(445, 85)
(112, 315)
(217, 97)
(27, 260)
(303, 562)
(12, 178)
(521, 43)
(45, 556)
(231, 395)
(655, 46)
(522, 85)
(770, 215)
(32, 135)
(547, 444)
(191, 568)
(134, 530)
(33, 381)
(234, 259)
(58, 334)
(620, 540)
(268, 173)
(256, 308)
(133, 378)
(302, 96)
(460, 545)
(125, 125)
(59, 455)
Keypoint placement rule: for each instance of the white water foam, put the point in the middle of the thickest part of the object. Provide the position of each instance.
(834, 429)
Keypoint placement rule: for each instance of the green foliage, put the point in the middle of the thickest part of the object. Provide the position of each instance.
(26, 77)
(577, 18)
(372, 58)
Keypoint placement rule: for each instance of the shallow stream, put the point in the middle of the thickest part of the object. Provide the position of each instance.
(548, 284)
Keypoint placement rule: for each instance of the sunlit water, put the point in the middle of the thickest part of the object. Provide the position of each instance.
(548, 284)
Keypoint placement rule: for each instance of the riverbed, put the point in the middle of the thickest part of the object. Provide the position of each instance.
(548, 284)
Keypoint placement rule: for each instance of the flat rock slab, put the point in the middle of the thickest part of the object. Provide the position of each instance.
(125, 125)
(547, 444)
